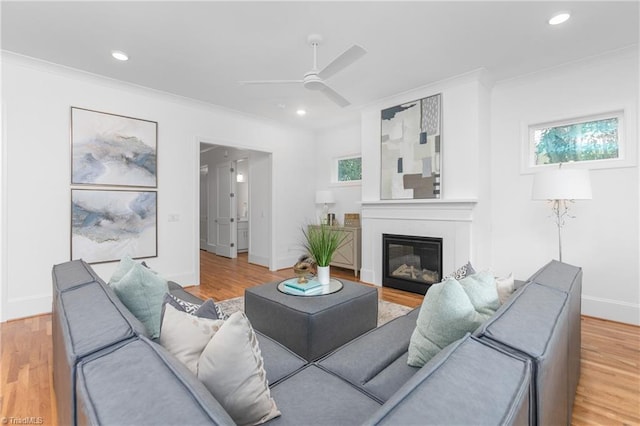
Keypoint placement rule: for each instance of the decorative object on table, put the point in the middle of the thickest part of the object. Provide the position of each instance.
(324, 197)
(321, 243)
(304, 267)
(331, 219)
(311, 288)
(561, 187)
(110, 149)
(352, 220)
(106, 225)
(411, 144)
(306, 286)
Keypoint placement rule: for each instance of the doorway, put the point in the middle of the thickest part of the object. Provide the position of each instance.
(235, 203)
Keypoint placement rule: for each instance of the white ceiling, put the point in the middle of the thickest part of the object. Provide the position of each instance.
(202, 49)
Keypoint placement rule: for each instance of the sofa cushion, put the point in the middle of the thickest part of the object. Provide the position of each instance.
(568, 279)
(72, 274)
(185, 336)
(231, 367)
(534, 322)
(279, 361)
(139, 383)
(446, 315)
(364, 361)
(142, 292)
(468, 383)
(314, 397)
(86, 319)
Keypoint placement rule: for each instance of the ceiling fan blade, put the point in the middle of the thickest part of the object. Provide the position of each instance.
(335, 96)
(348, 57)
(271, 81)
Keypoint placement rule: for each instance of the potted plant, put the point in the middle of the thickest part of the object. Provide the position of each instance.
(321, 242)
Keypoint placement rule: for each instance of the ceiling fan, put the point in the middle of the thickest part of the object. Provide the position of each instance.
(315, 79)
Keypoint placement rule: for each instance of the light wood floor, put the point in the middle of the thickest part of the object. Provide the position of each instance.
(608, 393)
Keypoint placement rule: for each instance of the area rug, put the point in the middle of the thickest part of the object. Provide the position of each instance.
(386, 310)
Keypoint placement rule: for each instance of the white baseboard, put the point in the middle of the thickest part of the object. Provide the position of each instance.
(609, 309)
(259, 260)
(27, 306)
(367, 276)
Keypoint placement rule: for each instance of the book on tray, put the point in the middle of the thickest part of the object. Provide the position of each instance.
(304, 287)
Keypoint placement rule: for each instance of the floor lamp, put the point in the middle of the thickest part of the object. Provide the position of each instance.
(561, 187)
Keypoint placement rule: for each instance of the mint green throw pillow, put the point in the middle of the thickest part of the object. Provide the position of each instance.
(445, 316)
(142, 293)
(482, 291)
(124, 266)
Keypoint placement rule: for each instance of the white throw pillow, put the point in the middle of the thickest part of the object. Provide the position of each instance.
(231, 367)
(505, 287)
(185, 336)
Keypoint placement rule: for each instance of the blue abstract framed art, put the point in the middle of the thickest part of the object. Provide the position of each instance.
(107, 224)
(112, 150)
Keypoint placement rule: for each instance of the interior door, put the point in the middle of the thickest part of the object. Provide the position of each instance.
(226, 225)
(204, 207)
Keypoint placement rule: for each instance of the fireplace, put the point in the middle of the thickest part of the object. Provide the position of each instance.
(411, 263)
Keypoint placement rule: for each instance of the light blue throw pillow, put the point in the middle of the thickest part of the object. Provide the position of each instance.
(142, 292)
(124, 266)
(482, 291)
(445, 316)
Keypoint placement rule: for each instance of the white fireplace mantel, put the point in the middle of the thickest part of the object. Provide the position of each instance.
(451, 220)
(446, 210)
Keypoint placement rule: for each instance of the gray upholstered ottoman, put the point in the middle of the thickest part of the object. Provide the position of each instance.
(312, 326)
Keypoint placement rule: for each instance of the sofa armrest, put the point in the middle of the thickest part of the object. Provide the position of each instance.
(468, 382)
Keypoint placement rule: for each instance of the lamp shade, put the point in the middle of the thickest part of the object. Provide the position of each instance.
(562, 184)
(324, 197)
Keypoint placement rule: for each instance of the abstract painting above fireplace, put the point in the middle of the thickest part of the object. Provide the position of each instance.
(411, 263)
(411, 138)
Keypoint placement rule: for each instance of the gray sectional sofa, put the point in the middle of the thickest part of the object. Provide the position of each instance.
(520, 367)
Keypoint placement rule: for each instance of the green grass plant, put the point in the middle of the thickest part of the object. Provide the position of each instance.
(321, 242)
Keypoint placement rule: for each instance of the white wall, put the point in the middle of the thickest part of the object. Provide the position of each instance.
(466, 162)
(603, 237)
(37, 98)
(341, 141)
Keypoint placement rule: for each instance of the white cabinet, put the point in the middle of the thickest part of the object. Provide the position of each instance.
(243, 235)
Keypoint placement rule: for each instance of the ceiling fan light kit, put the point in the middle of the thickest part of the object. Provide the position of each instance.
(315, 79)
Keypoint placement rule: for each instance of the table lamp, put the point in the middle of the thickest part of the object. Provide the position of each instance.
(324, 197)
(561, 187)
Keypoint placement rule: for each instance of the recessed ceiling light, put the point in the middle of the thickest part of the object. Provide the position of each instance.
(301, 112)
(119, 55)
(559, 18)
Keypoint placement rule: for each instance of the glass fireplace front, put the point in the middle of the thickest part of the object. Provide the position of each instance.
(411, 263)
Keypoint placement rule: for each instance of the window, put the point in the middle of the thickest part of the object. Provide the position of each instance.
(347, 169)
(581, 139)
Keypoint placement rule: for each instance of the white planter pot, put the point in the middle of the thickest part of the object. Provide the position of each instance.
(323, 274)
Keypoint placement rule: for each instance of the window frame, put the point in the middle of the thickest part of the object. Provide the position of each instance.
(334, 171)
(624, 159)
